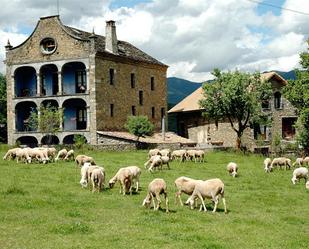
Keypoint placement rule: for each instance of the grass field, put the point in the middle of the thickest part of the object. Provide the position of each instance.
(43, 206)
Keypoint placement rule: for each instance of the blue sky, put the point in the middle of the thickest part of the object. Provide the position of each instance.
(191, 36)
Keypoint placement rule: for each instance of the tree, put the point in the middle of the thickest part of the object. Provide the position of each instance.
(47, 120)
(139, 126)
(2, 108)
(297, 92)
(236, 97)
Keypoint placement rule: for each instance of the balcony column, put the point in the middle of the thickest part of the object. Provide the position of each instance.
(38, 84)
(59, 83)
(88, 118)
(61, 119)
(87, 81)
(13, 86)
(39, 120)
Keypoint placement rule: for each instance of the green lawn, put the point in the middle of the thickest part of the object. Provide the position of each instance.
(43, 206)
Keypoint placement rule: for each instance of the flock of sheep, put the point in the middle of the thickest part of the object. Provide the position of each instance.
(286, 163)
(128, 177)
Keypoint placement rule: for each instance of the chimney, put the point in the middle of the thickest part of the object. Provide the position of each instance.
(111, 37)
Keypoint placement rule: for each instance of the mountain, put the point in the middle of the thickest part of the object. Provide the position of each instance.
(178, 89)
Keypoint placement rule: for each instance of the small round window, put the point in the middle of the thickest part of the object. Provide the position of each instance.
(48, 45)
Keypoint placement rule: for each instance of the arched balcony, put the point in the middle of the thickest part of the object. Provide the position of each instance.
(75, 114)
(22, 114)
(28, 140)
(70, 139)
(50, 102)
(25, 81)
(50, 139)
(74, 78)
(49, 80)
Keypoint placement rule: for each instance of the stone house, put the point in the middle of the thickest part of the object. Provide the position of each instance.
(98, 82)
(191, 123)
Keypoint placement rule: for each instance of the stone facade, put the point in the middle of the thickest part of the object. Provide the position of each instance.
(70, 69)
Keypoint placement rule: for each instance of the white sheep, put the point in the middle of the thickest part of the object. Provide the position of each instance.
(10, 154)
(165, 152)
(299, 173)
(298, 162)
(86, 172)
(211, 189)
(97, 179)
(184, 185)
(124, 177)
(155, 188)
(232, 168)
(306, 161)
(136, 173)
(69, 155)
(281, 161)
(267, 165)
(22, 155)
(81, 159)
(61, 154)
(37, 154)
(178, 154)
(154, 162)
(199, 155)
(153, 152)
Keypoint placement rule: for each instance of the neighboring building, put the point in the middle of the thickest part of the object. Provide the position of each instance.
(191, 123)
(97, 80)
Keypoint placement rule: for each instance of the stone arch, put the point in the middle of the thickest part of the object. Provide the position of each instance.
(22, 113)
(49, 80)
(50, 139)
(75, 114)
(69, 139)
(27, 140)
(74, 78)
(51, 102)
(25, 81)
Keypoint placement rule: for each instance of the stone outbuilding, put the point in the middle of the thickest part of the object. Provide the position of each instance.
(98, 82)
(191, 124)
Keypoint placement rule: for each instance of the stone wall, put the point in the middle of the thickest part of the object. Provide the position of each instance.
(123, 97)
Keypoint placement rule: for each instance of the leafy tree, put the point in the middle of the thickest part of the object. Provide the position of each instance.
(297, 92)
(2, 108)
(236, 97)
(47, 120)
(139, 126)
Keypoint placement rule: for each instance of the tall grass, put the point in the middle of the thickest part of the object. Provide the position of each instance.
(43, 206)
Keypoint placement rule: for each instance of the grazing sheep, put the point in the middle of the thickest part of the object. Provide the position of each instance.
(165, 152)
(199, 156)
(97, 179)
(179, 154)
(136, 173)
(190, 155)
(281, 161)
(299, 173)
(38, 155)
(184, 185)
(267, 165)
(124, 177)
(211, 189)
(156, 162)
(52, 153)
(69, 155)
(306, 161)
(298, 162)
(155, 188)
(232, 168)
(84, 175)
(153, 152)
(81, 159)
(10, 154)
(22, 155)
(61, 154)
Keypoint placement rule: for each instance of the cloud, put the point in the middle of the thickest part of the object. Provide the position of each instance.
(192, 37)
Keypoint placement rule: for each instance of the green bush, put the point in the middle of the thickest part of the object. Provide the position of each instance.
(139, 126)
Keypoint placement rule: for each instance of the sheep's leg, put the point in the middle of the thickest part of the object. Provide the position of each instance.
(166, 202)
(177, 196)
(202, 200)
(224, 204)
(216, 200)
(137, 185)
(168, 165)
(153, 201)
(158, 200)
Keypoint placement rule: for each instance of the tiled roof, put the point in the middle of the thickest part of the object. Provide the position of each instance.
(191, 102)
(125, 49)
(156, 138)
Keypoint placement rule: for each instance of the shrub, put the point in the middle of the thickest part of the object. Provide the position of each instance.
(139, 126)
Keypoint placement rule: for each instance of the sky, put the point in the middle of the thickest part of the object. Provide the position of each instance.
(191, 36)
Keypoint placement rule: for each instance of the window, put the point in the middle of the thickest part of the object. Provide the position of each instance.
(80, 81)
(132, 80)
(277, 100)
(153, 112)
(133, 109)
(48, 45)
(112, 110)
(141, 98)
(152, 86)
(261, 132)
(162, 112)
(111, 76)
(265, 104)
(81, 119)
(288, 128)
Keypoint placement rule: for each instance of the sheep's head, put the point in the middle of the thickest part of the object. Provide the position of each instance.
(293, 180)
(147, 201)
(111, 183)
(190, 202)
(84, 183)
(29, 159)
(234, 173)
